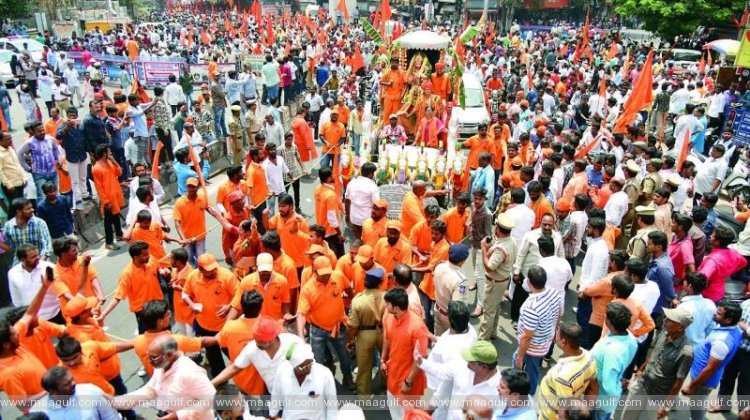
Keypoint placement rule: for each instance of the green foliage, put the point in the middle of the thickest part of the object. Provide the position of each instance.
(680, 17)
(14, 9)
(371, 31)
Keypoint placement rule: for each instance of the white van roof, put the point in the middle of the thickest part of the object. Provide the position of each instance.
(471, 81)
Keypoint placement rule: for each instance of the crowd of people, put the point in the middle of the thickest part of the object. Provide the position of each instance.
(565, 181)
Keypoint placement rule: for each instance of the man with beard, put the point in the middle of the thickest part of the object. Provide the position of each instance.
(374, 228)
(64, 394)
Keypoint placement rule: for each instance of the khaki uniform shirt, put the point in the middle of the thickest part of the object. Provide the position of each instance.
(638, 245)
(450, 284)
(502, 256)
(650, 183)
(367, 308)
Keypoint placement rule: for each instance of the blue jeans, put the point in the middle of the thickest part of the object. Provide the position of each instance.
(356, 138)
(271, 205)
(39, 180)
(320, 339)
(119, 154)
(531, 365)
(195, 250)
(220, 126)
(327, 160)
(582, 317)
(273, 93)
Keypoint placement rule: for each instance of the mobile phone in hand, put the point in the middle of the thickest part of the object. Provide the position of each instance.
(50, 274)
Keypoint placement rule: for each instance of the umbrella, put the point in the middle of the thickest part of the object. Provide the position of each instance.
(724, 46)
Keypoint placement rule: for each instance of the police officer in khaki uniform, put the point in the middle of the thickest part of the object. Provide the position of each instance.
(651, 182)
(252, 121)
(638, 245)
(236, 142)
(498, 257)
(450, 284)
(633, 189)
(365, 333)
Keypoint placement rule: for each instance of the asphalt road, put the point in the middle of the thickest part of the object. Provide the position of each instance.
(122, 326)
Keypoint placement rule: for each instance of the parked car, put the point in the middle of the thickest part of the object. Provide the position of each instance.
(19, 45)
(6, 74)
(682, 59)
(474, 112)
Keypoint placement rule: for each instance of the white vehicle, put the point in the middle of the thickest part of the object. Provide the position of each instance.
(682, 59)
(467, 119)
(16, 45)
(6, 75)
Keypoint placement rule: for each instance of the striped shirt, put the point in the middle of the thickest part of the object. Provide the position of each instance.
(569, 377)
(34, 232)
(539, 313)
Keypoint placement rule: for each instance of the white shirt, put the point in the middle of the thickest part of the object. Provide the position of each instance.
(528, 251)
(60, 92)
(447, 349)
(71, 77)
(678, 100)
(548, 102)
(595, 262)
(685, 122)
(158, 190)
(524, 218)
(274, 133)
(266, 366)
(458, 383)
(558, 273)
(24, 285)
(616, 207)
(716, 105)
(275, 174)
(173, 94)
(648, 295)
(362, 192)
(325, 116)
(558, 176)
(314, 399)
(711, 170)
(134, 207)
(597, 104)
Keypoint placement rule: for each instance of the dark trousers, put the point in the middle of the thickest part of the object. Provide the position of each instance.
(175, 109)
(16, 193)
(58, 319)
(640, 355)
(519, 297)
(582, 317)
(336, 245)
(427, 307)
(258, 215)
(166, 138)
(213, 353)
(356, 231)
(738, 370)
(595, 333)
(120, 389)
(111, 226)
(139, 320)
(295, 187)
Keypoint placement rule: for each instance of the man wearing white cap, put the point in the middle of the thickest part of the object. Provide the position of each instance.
(303, 389)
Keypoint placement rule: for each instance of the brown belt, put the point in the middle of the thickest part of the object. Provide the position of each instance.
(495, 280)
(441, 310)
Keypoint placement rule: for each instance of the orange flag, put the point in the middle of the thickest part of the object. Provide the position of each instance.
(287, 48)
(157, 153)
(613, 50)
(197, 167)
(585, 151)
(639, 98)
(603, 87)
(683, 151)
(702, 64)
(344, 11)
(270, 34)
(626, 64)
(529, 75)
(357, 62)
(385, 11)
(3, 123)
(256, 11)
(138, 89)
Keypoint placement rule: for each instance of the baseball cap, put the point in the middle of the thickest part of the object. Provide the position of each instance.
(482, 351)
(393, 224)
(315, 249)
(267, 329)
(364, 254)
(207, 262)
(235, 196)
(322, 266)
(192, 181)
(457, 252)
(679, 315)
(78, 304)
(265, 262)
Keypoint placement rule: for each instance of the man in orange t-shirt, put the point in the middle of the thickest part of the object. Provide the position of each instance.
(374, 226)
(332, 132)
(421, 234)
(538, 202)
(257, 186)
(321, 304)
(327, 211)
(209, 292)
(106, 173)
(282, 264)
(68, 271)
(38, 340)
(403, 334)
(234, 182)
(150, 232)
(138, 283)
(271, 285)
(189, 214)
(412, 207)
(438, 254)
(289, 224)
(477, 144)
(393, 83)
(239, 332)
(346, 263)
(87, 363)
(183, 315)
(457, 219)
(392, 250)
(365, 261)
(132, 47)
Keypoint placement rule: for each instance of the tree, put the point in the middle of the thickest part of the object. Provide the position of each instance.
(14, 9)
(679, 17)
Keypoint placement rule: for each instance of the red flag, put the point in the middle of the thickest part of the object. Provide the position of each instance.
(639, 98)
(256, 11)
(357, 62)
(702, 64)
(385, 10)
(344, 11)
(683, 151)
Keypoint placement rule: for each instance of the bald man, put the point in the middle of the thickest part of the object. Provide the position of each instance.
(412, 207)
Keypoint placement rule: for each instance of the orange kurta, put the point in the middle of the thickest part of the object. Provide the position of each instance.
(476, 146)
(372, 231)
(456, 224)
(303, 138)
(438, 255)
(234, 336)
(108, 186)
(412, 211)
(402, 335)
(332, 133)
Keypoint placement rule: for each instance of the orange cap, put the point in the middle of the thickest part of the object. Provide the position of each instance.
(78, 304)
(322, 266)
(364, 254)
(192, 181)
(516, 161)
(207, 262)
(381, 204)
(315, 249)
(393, 224)
(562, 205)
(267, 329)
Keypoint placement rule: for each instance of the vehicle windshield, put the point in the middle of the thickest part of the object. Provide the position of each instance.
(474, 98)
(686, 55)
(33, 45)
(5, 56)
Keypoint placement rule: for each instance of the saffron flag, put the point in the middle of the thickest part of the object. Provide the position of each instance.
(138, 89)
(197, 167)
(357, 62)
(640, 97)
(344, 11)
(613, 50)
(256, 11)
(155, 168)
(683, 151)
(588, 148)
(385, 11)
